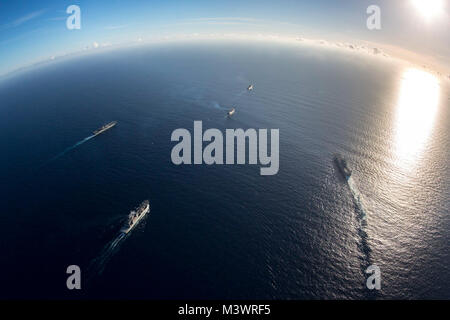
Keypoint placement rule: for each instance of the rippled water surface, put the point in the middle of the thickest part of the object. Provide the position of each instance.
(226, 231)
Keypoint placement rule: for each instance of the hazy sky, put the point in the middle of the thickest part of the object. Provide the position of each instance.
(31, 31)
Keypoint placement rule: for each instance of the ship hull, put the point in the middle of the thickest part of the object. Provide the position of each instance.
(104, 128)
(146, 210)
(342, 167)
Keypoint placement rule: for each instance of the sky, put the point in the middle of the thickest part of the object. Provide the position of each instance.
(34, 31)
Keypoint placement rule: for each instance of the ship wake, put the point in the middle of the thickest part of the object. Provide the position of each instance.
(238, 95)
(79, 143)
(98, 264)
(361, 218)
(356, 194)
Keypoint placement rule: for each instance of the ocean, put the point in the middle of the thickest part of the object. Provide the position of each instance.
(225, 231)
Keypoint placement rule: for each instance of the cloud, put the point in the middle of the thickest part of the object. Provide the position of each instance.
(377, 51)
(25, 18)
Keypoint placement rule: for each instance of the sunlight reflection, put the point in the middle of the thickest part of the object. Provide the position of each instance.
(416, 112)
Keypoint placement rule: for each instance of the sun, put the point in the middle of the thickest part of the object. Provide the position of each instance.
(429, 8)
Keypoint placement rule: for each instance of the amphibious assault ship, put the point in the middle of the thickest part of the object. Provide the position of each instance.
(135, 216)
(104, 128)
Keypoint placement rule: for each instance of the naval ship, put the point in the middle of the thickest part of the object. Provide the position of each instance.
(135, 216)
(342, 166)
(104, 128)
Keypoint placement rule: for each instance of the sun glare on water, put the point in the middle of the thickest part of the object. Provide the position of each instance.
(416, 111)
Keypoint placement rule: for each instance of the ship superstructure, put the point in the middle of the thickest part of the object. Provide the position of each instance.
(135, 216)
(231, 112)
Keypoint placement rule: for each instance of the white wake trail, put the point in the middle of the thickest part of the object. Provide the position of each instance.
(99, 263)
(71, 148)
(357, 197)
(363, 245)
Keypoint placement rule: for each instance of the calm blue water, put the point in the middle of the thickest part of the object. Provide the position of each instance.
(224, 231)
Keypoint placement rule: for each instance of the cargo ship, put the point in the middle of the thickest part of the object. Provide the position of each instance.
(135, 216)
(104, 128)
(342, 166)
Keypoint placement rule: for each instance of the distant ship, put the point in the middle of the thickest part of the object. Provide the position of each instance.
(231, 112)
(104, 128)
(135, 216)
(342, 166)
(250, 87)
